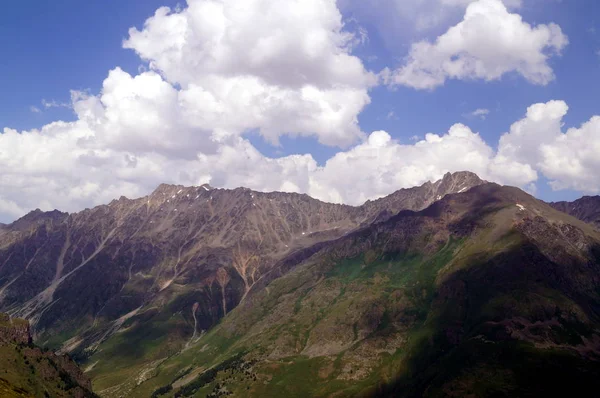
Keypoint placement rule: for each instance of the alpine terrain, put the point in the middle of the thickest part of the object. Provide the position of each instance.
(454, 288)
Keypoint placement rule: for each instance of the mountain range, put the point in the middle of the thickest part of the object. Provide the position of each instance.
(455, 288)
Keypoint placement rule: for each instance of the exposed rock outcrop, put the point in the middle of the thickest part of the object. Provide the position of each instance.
(28, 371)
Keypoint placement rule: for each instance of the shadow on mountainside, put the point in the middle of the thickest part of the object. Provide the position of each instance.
(518, 325)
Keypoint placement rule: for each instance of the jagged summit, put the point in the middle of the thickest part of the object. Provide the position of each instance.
(449, 183)
(460, 181)
(165, 193)
(34, 218)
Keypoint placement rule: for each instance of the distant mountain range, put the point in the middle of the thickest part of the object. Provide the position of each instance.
(586, 209)
(454, 288)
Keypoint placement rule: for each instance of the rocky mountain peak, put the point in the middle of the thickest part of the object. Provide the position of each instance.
(35, 218)
(480, 273)
(459, 182)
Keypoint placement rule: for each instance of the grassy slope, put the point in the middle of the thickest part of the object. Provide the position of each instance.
(301, 310)
(27, 372)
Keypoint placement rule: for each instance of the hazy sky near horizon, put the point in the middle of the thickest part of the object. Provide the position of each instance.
(344, 100)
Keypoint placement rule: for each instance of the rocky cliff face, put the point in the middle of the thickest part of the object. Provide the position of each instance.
(28, 371)
(192, 251)
(586, 209)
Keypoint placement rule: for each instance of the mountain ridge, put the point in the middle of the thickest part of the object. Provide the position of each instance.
(239, 234)
(184, 279)
(466, 178)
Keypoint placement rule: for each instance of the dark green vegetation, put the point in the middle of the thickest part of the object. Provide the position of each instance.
(28, 371)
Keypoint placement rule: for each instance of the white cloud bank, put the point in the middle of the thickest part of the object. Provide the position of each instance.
(488, 43)
(217, 70)
(570, 159)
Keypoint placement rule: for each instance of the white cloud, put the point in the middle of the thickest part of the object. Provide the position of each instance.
(55, 104)
(139, 114)
(276, 66)
(487, 44)
(34, 109)
(381, 165)
(569, 159)
(480, 113)
(128, 140)
(391, 115)
(572, 160)
(217, 70)
(398, 20)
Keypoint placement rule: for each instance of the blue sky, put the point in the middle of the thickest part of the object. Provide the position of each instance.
(52, 48)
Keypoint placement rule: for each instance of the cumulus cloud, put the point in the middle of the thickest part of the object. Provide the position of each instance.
(488, 43)
(382, 165)
(569, 159)
(276, 66)
(217, 69)
(409, 19)
(139, 114)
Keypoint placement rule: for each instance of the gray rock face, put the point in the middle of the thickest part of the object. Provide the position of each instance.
(83, 275)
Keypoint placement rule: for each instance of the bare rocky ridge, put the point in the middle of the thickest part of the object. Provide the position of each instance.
(586, 209)
(194, 251)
